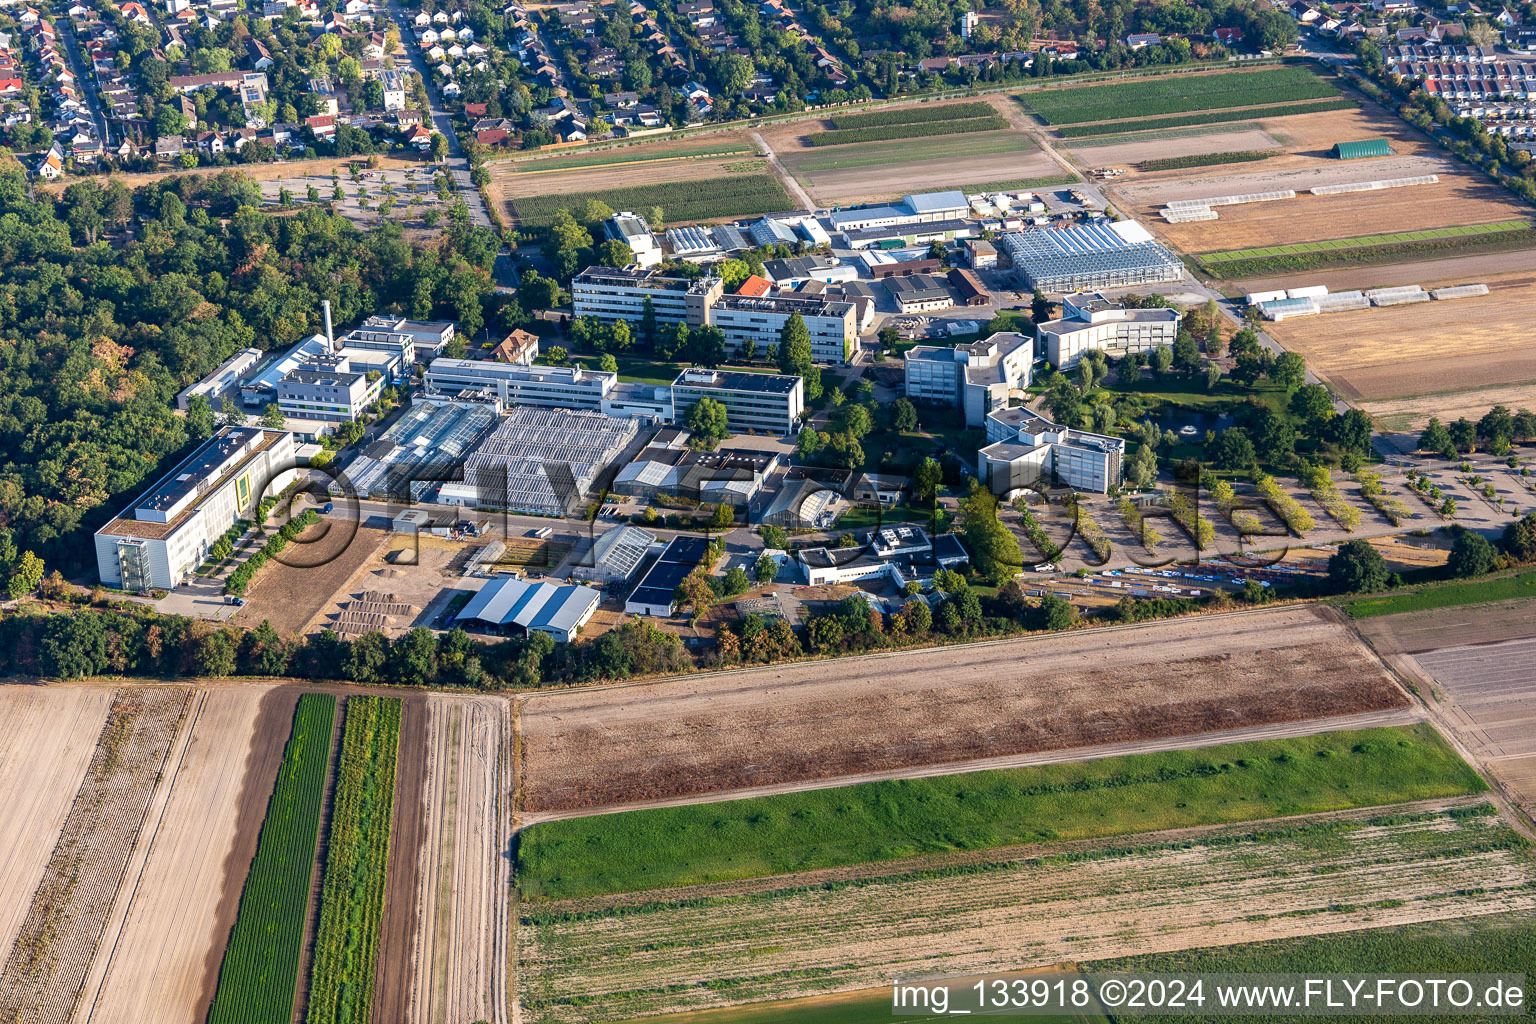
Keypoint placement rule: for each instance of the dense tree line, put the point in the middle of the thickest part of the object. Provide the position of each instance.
(99, 330)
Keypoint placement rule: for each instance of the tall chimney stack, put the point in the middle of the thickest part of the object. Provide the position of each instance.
(330, 338)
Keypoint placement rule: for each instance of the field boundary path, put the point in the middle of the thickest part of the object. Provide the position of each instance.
(1281, 730)
(107, 952)
(796, 192)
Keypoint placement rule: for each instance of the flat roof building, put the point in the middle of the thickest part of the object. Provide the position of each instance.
(1089, 321)
(730, 475)
(832, 324)
(550, 387)
(1085, 257)
(785, 273)
(161, 539)
(977, 377)
(223, 384)
(612, 295)
(559, 610)
(924, 207)
(657, 593)
(633, 231)
(1028, 451)
(430, 336)
(766, 403)
(918, 294)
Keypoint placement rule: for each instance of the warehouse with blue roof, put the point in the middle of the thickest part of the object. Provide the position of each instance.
(559, 610)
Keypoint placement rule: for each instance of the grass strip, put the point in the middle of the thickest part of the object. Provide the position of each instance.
(914, 115)
(261, 962)
(1447, 595)
(737, 195)
(991, 123)
(1020, 183)
(1373, 254)
(356, 864)
(632, 155)
(1078, 131)
(1177, 95)
(1236, 156)
(885, 821)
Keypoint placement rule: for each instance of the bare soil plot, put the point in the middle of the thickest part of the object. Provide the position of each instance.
(1464, 626)
(291, 592)
(1127, 154)
(47, 737)
(464, 882)
(1023, 910)
(731, 730)
(1413, 413)
(1398, 351)
(47, 965)
(1484, 267)
(401, 583)
(160, 956)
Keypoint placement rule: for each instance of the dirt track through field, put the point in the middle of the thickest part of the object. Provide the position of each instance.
(818, 720)
(52, 953)
(155, 967)
(1133, 895)
(47, 736)
(464, 881)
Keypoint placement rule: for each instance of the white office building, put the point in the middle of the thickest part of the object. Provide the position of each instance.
(1089, 321)
(161, 539)
(223, 384)
(612, 295)
(922, 208)
(550, 387)
(633, 231)
(833, 325)
(1029, 451)
(430, 336)
(766, 403)
(977, 377)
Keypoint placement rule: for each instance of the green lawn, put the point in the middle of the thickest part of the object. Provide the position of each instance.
(1176, 95)
(861, 517)
(1141, 125)
(634, 154)
(885, 821)
(635, 370)
(1498, 944)
(874, 154)
(1449, 595)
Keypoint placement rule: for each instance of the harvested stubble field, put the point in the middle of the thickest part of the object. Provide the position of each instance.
(1039, 906)
(1128, 154)
(46, 969)
(290, 593)
(1401, 351)
(818, 720)
(463, 881)
(161, 963)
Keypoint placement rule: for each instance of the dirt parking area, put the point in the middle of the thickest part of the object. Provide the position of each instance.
(404, 582)
(47, 736)
(319, 562)
(814, 720)
(463, 880)
(1399, 351)
(160, 957)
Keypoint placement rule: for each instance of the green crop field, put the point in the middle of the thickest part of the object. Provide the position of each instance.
(1018, 183)
(885, 821)
(879, 154)
(1449, 595)
(1363, 240)
(1367, 251)
(356, 863)
(1177, 94)
(1078, 131)
(705, 199)
(635, 154)
(261, 962)
(914, 115)
(1503, 944)
(963, 126)
(1236, 156)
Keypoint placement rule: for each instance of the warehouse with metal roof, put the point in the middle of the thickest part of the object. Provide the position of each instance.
(557, 609)
(657, 592)
(1362, 148)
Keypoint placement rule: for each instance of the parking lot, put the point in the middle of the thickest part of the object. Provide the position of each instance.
(404, 195)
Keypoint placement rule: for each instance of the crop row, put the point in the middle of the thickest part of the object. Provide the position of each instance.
(1373, 492)
(1177, 94)
(913, 115)
(1326, 493)
(1286, 507)
(735, 195)
(240, 579)
(1078, 131)
(991, 123)
(1236, 156)
(1371, 255)
(261, 962)
(356, 864)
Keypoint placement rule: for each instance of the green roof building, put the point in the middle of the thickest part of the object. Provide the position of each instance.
(1362, 148)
